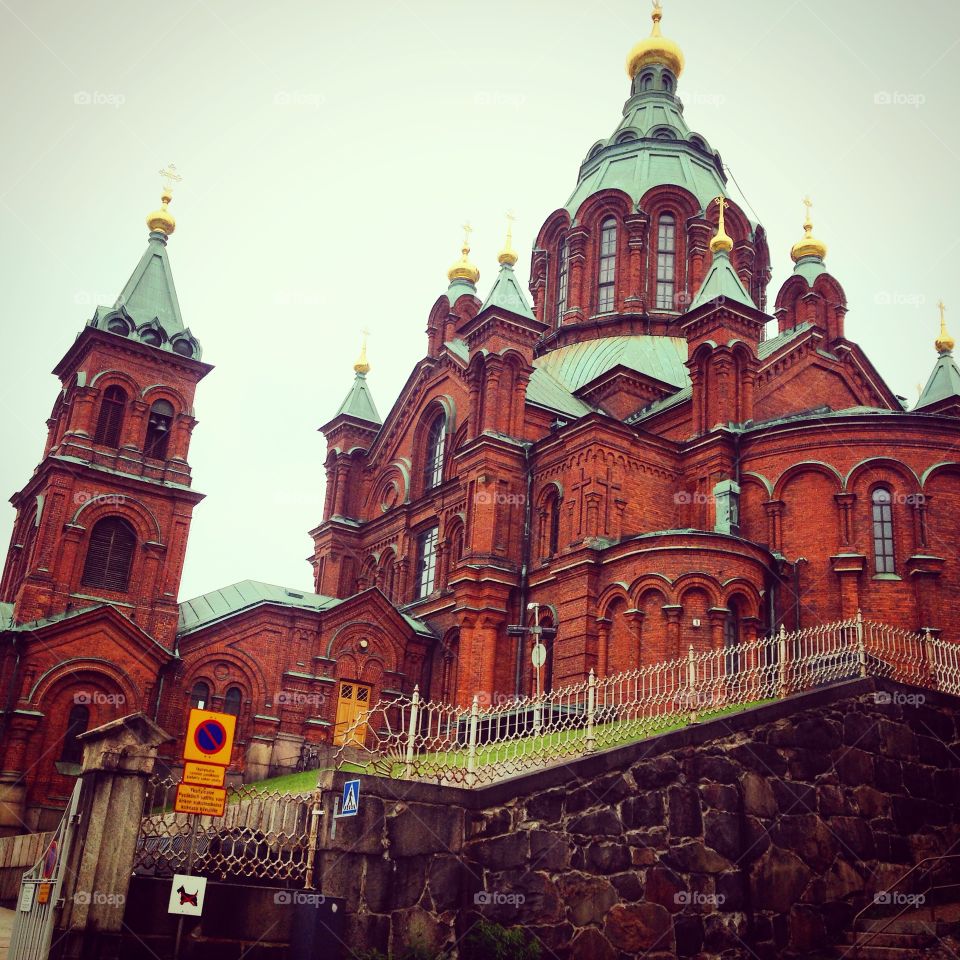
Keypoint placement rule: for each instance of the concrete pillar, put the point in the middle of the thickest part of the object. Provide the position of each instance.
(118, 758)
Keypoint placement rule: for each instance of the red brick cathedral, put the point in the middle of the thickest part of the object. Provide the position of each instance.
(639, 447)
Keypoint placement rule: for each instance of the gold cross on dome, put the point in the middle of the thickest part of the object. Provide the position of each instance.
(943, 312)
(722, 204)
(170, 176)
(511, 220)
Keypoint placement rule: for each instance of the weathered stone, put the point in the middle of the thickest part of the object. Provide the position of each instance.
(416, 829)
(554, 939)
(723, 932)
(807, 732)
(684, 807)
(501, 853)
(688, 935)
(832, 801)
(720, 796)
(643, 810)
(778, 880)
(665, 887)
(919, 780)
(756, 839)
(546, 807)
(888, 775)
(598, 823)
(853, 835)
(897, 740)
(491, 824)
(444, 878)
(758, 797)
(892, 848)
(855, 767)
(703, 766)
(938, 723)
(807, 764)
(366, 931)
(541, 898)
(418, 926)
(911, 814)
(721, 832)
(364, 832)
(806, 929)
(587, 898)
(841, 880)
(933, 752)
(408, 882)
(807, 836)
(871, 803)
(614, 787)
(608, 857)
(592, 945)
(761, 758)
(639, 927)
(377, 876)
(794, 797)
(731, 892)
(549, 850)
(861, 730)
(649, 774)
(695, 857)
(628, 885)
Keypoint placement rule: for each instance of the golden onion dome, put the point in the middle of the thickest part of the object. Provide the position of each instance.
(162, 220)
(655, 49)
(944, 343)
(808, 245)
(463, 269)
(362, 366)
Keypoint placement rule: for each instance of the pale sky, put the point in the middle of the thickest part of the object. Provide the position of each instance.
(331, 151)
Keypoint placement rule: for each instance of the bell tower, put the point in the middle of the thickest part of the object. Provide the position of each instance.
(104, 518)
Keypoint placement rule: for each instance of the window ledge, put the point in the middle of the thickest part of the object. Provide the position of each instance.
(887, 576)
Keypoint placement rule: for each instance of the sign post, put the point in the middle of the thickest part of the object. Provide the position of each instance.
(206, 756)
(346, 806)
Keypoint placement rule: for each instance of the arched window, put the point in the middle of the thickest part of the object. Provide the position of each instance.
(232, 700)
(883, 530)
(425, 581)
(608, 266)
(77, 722)
(554, 521)
(666, 261)
(110, 554)
(151, 338)
(158, 430)
(563, 263)
(433, 454)
(200, 695)
(646, 82)
(110, 421)
(667, 83)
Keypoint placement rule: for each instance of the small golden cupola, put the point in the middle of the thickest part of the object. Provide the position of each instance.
(463, 269)
(162, 221)
(508, 257)
(655, 49)
(808, 245)
(721, 242)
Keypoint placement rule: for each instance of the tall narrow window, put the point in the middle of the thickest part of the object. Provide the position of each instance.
(158, 430)
(110, 421)
(433, 461)
(883, 531)
(426, 573)
(200, 695)
(608, 266)
(110, 555)
(232, 701)
(563, 263)
(77, 722)
(666, 262)
(554, 524)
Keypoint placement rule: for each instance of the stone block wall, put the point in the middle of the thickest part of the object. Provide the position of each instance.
(759, 834)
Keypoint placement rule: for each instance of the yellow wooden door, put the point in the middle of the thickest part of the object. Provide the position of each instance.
(353, 704)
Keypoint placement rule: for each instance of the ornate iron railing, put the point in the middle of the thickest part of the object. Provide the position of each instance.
(411, 738)
(264, 835)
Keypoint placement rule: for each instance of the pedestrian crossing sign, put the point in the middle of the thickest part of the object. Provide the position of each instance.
(350, 806)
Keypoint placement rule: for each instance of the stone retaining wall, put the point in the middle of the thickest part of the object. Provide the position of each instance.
(758, 834)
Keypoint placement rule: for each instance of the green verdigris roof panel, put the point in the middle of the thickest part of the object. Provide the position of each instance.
(944, 382)
(359, 402)
(508, 295)
(150, 293)
(771, 346)
(6, 615)
(721, 282)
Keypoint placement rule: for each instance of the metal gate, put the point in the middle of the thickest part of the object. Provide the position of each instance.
(39, 902)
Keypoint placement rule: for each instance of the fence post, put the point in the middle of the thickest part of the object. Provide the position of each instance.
(782, 647)
(861, 649)
(591, 741)
(472, 748)
(692, 683)
(412, 731)
(930, 651)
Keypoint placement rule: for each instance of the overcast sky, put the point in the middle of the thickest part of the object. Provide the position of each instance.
(330, 152)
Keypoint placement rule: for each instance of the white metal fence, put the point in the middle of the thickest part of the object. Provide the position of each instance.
(410, 738)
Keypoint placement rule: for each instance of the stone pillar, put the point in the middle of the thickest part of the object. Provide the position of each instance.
(604, 625)
(673, 612)
(118, 758)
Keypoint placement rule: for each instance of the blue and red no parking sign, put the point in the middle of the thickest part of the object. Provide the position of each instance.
(209, 737)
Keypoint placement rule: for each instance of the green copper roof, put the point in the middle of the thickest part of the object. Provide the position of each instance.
(359, 402)
(6, 615)
(771, 346)
(238, 597)
(944, 382)
(544, 391)
(150, 292)
(507, 294)
(721, 282)
(460, 288)
(810, 268)
(577, 364)
(651, 146)
(147, 308)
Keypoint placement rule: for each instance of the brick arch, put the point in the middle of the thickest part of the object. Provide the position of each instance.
(614, 592)
(746, 591)
(807, 466)
(139, 515)
(948, 466)
(109, 378)
(70, 671)
(882, 463)
(382, 645)
(697, 581)
(656, 644)
(202, 668)
(163, 391)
